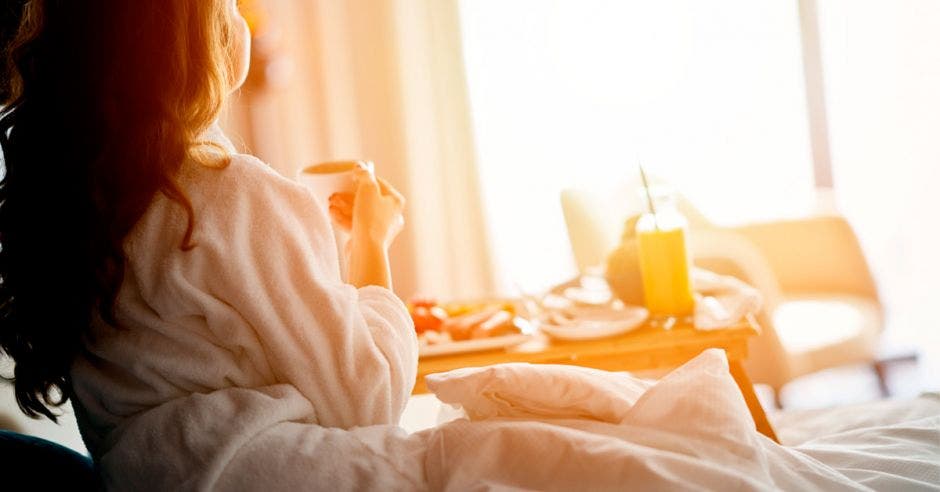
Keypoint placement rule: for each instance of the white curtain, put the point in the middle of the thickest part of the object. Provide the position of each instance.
(381, 80)
(882, 67)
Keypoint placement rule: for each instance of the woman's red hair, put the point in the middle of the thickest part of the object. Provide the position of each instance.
(106, 101)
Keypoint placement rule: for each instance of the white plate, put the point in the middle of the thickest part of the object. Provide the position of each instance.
(616, 323)
(477, 345)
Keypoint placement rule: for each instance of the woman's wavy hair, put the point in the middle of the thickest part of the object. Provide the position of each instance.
(105, 101)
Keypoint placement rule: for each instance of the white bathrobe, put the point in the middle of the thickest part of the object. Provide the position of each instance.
(259, 304)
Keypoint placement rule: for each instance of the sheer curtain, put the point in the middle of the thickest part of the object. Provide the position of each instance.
(882, 61)
(381, 80)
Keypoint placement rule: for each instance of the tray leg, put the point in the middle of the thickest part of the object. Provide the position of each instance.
(753, 404)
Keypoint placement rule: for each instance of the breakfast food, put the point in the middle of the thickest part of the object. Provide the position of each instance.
(427, 315)
(438, 323)
(623, 267)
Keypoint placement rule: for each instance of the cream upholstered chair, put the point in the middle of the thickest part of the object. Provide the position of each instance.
(821, 304)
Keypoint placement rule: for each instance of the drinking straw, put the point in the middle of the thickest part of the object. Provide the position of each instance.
(649, 196)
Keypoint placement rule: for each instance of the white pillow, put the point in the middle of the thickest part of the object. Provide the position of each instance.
(699, 398)
(538, 391)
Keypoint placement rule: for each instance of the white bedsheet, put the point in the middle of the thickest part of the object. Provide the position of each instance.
(796, 427)
(886, 445)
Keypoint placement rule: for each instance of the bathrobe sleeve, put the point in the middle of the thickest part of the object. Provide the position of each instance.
(265, 261)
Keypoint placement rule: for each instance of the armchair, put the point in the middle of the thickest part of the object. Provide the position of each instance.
(821, 304)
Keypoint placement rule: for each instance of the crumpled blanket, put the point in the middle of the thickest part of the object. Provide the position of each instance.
(532, 427)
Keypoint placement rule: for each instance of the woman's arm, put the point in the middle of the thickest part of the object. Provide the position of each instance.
(266, 255)
(374, 218)
(368, 265)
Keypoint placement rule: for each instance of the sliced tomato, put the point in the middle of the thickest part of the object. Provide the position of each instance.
(427, 318)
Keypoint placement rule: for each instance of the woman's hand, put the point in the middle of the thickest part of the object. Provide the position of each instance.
(379, 217)
(377, 210)
(341, 210)
(373, 217)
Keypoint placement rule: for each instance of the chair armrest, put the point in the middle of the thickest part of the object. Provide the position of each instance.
(816, 254)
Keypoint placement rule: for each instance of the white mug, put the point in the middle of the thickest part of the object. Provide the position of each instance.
(326, 178)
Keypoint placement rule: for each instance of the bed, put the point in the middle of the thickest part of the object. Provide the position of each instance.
(544, 427)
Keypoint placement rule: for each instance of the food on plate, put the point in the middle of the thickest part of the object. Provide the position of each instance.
(433, 337)
(427, 317)
(462, 327)
(461, 308)
(500, 324)
(438, 323)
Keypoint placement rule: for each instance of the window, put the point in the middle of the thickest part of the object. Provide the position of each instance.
(708, 95)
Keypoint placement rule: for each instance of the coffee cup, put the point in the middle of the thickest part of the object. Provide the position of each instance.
(327, 178)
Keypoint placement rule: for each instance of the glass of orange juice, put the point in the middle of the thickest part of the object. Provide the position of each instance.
(665, 263)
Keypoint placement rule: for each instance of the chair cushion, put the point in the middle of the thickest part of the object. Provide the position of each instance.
(47, 465)
(820, 331)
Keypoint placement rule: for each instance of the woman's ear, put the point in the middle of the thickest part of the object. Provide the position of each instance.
(241, 48)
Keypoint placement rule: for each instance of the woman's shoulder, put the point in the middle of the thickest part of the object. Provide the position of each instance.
(237, 176)
(241, 170)
(243, 180)
(243, 205)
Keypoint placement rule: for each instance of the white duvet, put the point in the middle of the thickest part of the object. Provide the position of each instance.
(531, 427)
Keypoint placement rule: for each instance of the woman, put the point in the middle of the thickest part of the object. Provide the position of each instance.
(188, 301)
(184, 297)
